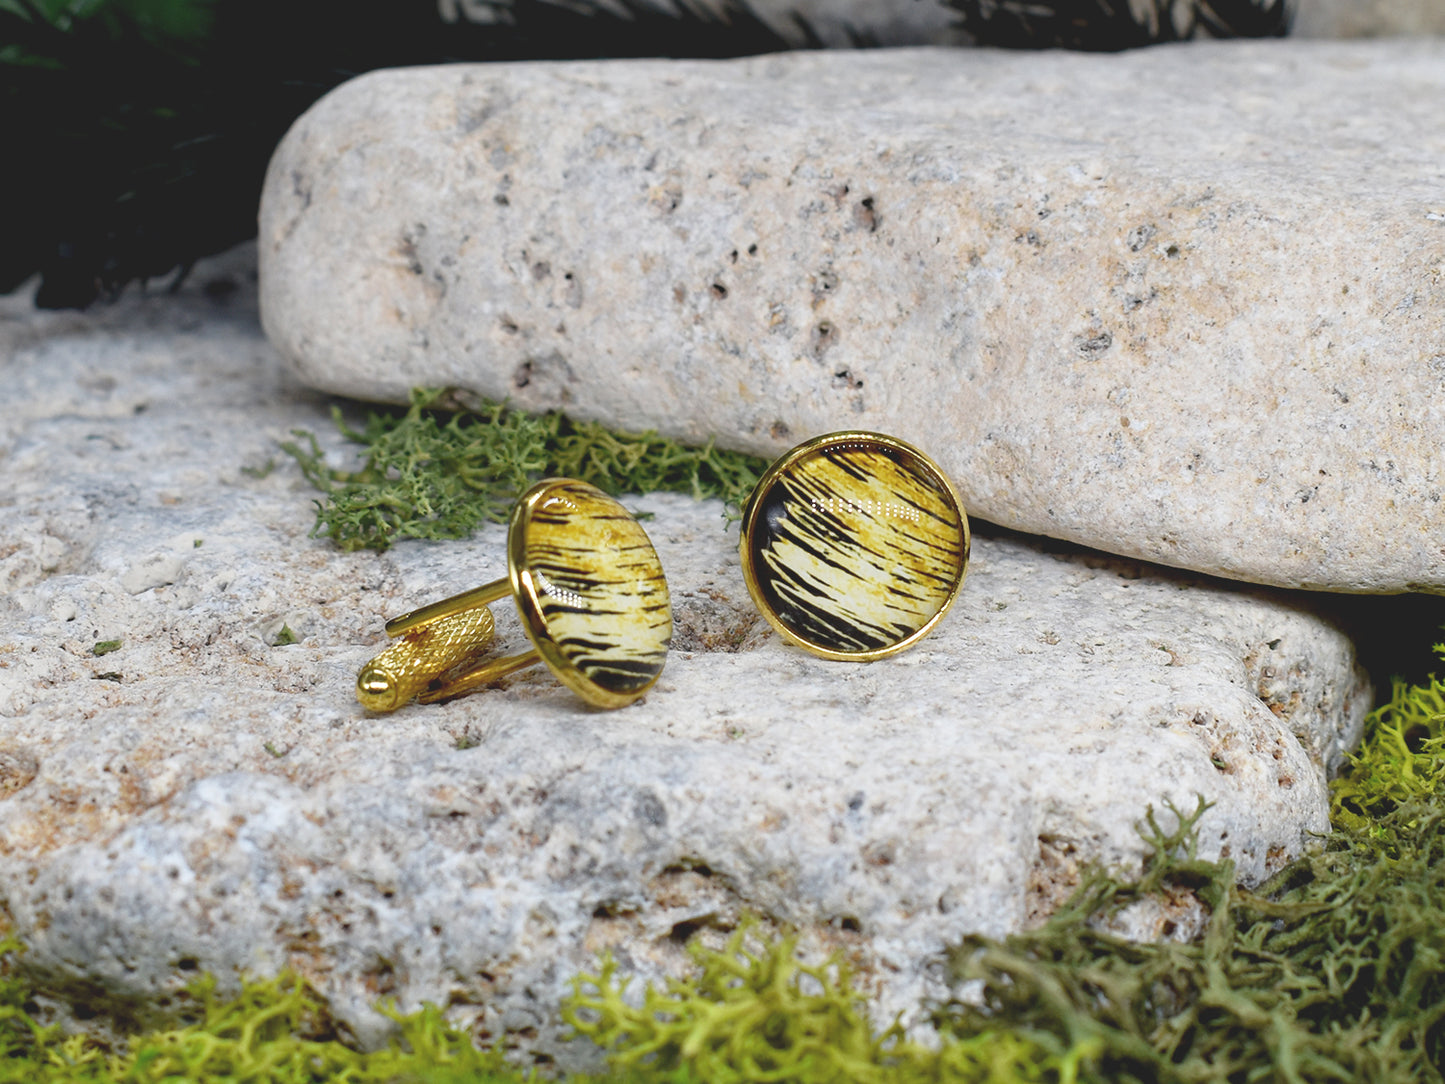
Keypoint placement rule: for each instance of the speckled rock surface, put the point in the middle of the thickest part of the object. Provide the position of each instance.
(205, 797)
(1120, 319)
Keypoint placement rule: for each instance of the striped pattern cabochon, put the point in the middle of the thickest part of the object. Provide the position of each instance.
(590, 589)
(854, 545)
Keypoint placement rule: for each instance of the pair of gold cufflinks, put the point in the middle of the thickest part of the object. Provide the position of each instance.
(853, 546)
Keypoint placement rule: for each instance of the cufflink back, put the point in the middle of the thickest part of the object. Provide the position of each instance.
(589, 590)
(854, 545)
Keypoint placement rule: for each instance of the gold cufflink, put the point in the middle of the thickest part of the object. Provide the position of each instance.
(854, 545)
(589, 590)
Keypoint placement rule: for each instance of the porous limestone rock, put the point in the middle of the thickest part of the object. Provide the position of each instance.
(1185, 304)
(208, 796)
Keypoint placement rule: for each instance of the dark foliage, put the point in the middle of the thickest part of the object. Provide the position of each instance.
(132, 149)
(1110, 25)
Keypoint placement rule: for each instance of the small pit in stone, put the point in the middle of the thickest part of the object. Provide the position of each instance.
(824, 337)
(703, 622)
(682, 932)
(17, 770)
(1053, 878)
(865, 215)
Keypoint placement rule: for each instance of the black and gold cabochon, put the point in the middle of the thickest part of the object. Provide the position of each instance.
(591, 588)
(856, 545)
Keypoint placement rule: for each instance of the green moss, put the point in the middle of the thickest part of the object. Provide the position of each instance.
(1401, 761)
(277, 1031)
(753, 1012)
(1335, 970)
(431, 473)
(105, 647)
(285, 637)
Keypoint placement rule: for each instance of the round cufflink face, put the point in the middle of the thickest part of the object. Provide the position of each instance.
(590, 591)
(854, 545)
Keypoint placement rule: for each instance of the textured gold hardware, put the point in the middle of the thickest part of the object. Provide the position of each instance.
(589, 589)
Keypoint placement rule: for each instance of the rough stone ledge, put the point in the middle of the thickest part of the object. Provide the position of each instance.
(206, 798)
(1204, 336)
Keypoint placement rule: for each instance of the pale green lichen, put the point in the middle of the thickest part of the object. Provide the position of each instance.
(1401, 760)
(274, 1032)
(754, 1012)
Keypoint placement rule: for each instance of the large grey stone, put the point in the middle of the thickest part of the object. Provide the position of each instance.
(1202, 324)
(207, 797)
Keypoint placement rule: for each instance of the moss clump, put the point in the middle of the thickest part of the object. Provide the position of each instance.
(1334, 971)
(431, 473)
(275, 1032)
(1400, 763)
(753, 1012)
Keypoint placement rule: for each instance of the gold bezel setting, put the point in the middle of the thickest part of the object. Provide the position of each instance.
(844, 579)
(534, 594)
(604, 610)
